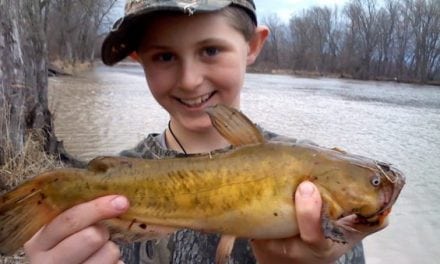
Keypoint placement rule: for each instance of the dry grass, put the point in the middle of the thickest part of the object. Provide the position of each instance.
(30, 162)
(18, 258)
(71, 68)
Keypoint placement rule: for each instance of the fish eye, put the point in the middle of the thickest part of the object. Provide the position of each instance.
(375, 181)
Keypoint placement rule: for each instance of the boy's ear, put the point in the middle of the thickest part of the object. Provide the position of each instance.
(257, 43)
(134, 55)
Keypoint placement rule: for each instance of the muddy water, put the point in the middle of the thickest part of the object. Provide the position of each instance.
(110, 109)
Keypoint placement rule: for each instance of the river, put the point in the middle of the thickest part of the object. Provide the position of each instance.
(110, 109)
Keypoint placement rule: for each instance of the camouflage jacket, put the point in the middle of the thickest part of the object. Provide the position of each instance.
(188, 246)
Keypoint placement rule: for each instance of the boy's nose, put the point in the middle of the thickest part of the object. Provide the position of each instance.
(191, 75)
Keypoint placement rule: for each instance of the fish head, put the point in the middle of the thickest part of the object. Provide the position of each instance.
(389, 182)
(356, 185)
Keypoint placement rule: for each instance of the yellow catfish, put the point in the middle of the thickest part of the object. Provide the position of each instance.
(246, 191)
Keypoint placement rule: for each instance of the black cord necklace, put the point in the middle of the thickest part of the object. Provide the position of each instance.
(175, 138)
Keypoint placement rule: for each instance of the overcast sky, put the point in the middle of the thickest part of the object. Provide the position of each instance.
(285, 8)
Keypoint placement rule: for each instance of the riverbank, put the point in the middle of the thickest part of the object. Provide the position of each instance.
(78, 68)
(315, 74)
(62, 68)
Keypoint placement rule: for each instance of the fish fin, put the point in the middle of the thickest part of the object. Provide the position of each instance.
(224, 249)
(234, 126)
(330, 228)
(23, 211)
(129, 230)
(102, 164)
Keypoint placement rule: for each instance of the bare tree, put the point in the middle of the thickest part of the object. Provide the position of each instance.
(274, 24)
(400, 39)
(387, 20)
(74, 28)
(362, 16)
(276, 53)
(324, 38)
(23, 75)
(424, 18)
(402, 43)
(301, 43)
(316, 39)
(335, 40)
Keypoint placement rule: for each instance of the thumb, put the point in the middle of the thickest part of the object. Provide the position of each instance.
(308, 206)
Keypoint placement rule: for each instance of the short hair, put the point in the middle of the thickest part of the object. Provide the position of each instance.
(240, 20)
(237, 17)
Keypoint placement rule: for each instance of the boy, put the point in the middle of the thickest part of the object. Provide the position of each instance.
(194, 54)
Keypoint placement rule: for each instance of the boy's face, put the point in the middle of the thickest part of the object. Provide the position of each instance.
(192, 62)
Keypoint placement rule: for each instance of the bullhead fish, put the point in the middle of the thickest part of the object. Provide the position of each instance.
(244, 191)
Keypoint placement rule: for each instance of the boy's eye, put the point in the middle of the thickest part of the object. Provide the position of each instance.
(165, 57)
(211, 51)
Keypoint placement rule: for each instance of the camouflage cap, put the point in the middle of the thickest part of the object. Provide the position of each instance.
(125, 35)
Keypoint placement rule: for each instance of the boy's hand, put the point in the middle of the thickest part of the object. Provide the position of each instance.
(310, 246)
(75, 235)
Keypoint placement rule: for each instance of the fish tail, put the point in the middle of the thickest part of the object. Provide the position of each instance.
(23, 211)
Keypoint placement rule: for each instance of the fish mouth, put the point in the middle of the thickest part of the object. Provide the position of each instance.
(196, 101)
(396, 181)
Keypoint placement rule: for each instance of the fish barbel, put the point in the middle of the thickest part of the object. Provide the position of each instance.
(246, 191)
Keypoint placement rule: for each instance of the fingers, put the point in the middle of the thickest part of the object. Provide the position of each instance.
(88, 242)
(79, 217)
(358, 231)
(273, 251)
(109, 253)
(74, 236)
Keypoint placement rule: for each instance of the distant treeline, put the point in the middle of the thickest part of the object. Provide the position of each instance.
(74, 28)
(365, 39)
(396, 39)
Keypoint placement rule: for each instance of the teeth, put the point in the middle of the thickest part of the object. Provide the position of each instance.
(196, 101)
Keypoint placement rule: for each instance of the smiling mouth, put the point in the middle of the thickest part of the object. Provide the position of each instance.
(195, 102)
